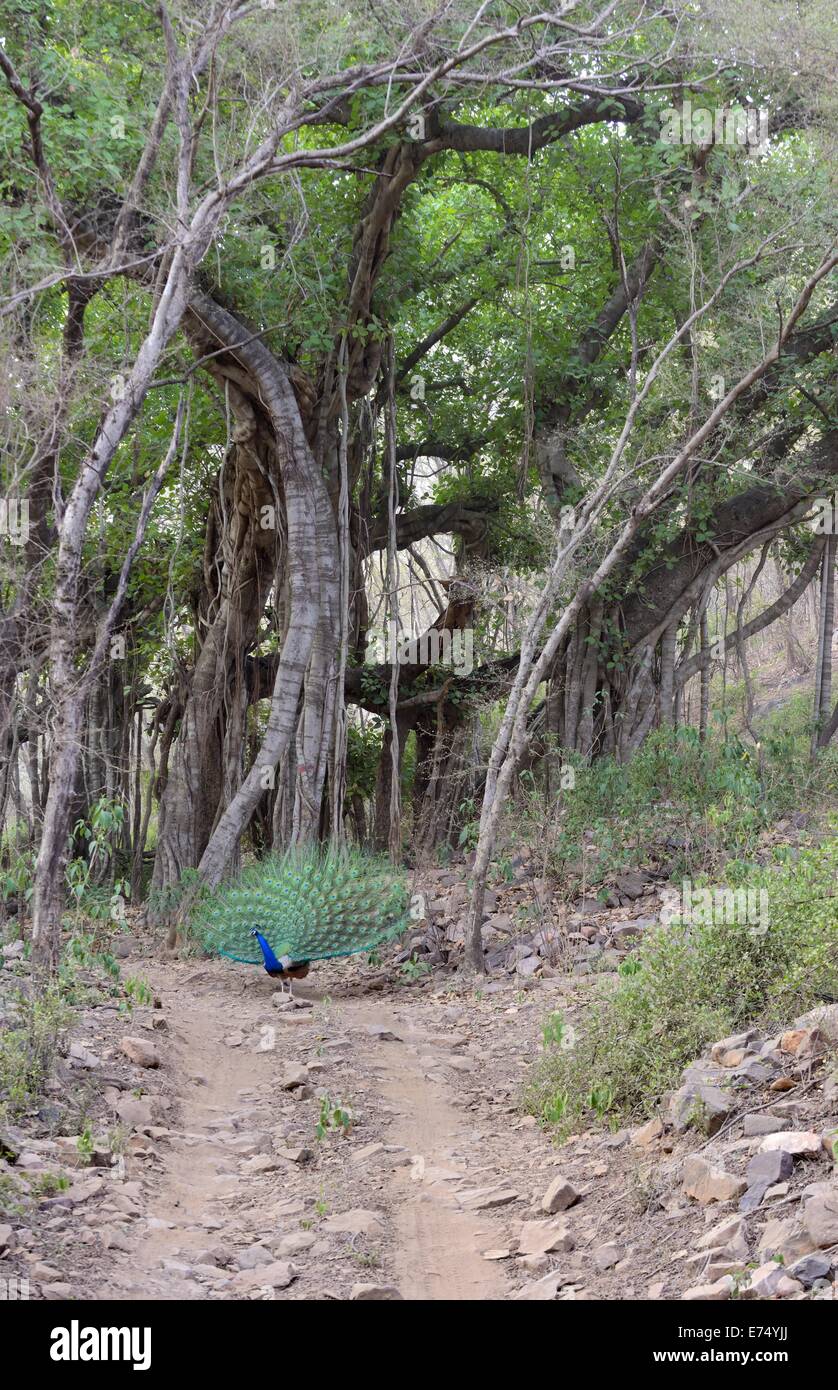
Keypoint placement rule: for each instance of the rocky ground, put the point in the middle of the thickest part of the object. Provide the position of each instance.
(367, 1140)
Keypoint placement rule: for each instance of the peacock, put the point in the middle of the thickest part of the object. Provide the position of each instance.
(287, 911)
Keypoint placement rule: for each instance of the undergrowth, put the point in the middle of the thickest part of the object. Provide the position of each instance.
(690, 985)
(679, 804)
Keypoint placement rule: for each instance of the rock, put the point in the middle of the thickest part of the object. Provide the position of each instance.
(254, 1256)
(544, 1238)
(825, 1019)
(11, 1144)
(487, 1198)
(708, 1184)
(728, 1235)
(770, 1165)
(757, 1071)
(296, 1243)
(710, 1293)
(764, 1171)
(805, 1043)
(58, 1293)
(536, 1264)
(700, 1105)
(7, 1238)
(820, 1218)
(357, 1222)
(382, 1033)
(559, 1196)
(86, 1059)
(375, 1293)
(140, 1052)
(544, 1290)
(647, 1134)
(777, 1191)
(738, 1042)
(608, 1255)
(763, 1281)
(277, 1275)
(799, 1143)
(136, 1114)
(810, 1268)
(297, 1155)
(754, 1125)
(294, 1075)
(496, 1254)
(787, 1238)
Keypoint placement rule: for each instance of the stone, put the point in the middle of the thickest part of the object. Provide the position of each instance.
(770, 1165)
(825, 1019)
(497, 1254)
(810, 1268)
(765, 1170)
(140, 1052)
(277, 1275)
(296, 1243)
(382, 1033)
(536, 1264)
(754, 1125)
(710, 1293)
(7, 1238)
(738, 1042)
(700, 1105)
(804, 1043)
(799, 1143)
(787, 1238)
(560, 1195)
(375, 1293)
(295, 1075)
(544, 1238)
(487, 1198)
(647, 1134)
(254, 1256)
(358, 1222)
(757, 1071)
(763, 1281)
(544, 1290)
(608, 1255)
(820, 1219)
(728, 1235)
(135, 1114)
(707, 1184)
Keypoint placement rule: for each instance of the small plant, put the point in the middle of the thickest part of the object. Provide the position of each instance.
(85, 1144)
(333, 1119)
(414, 969)
(47, 1184)
(137, 990)
(553, 1030)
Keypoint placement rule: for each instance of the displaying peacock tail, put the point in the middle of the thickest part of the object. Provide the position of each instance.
(309, 905)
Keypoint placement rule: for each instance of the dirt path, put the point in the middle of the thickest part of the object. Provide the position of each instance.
(234, 1192)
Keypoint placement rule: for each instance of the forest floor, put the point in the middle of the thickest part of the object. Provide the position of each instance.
(442, 1188)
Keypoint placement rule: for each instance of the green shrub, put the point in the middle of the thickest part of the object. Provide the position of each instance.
(694, 984)
(28, 1050)
(681, 801)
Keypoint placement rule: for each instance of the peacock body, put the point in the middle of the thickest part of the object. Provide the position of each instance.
(305, 906)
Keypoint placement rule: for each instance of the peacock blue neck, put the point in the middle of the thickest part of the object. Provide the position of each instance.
(271, 962)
